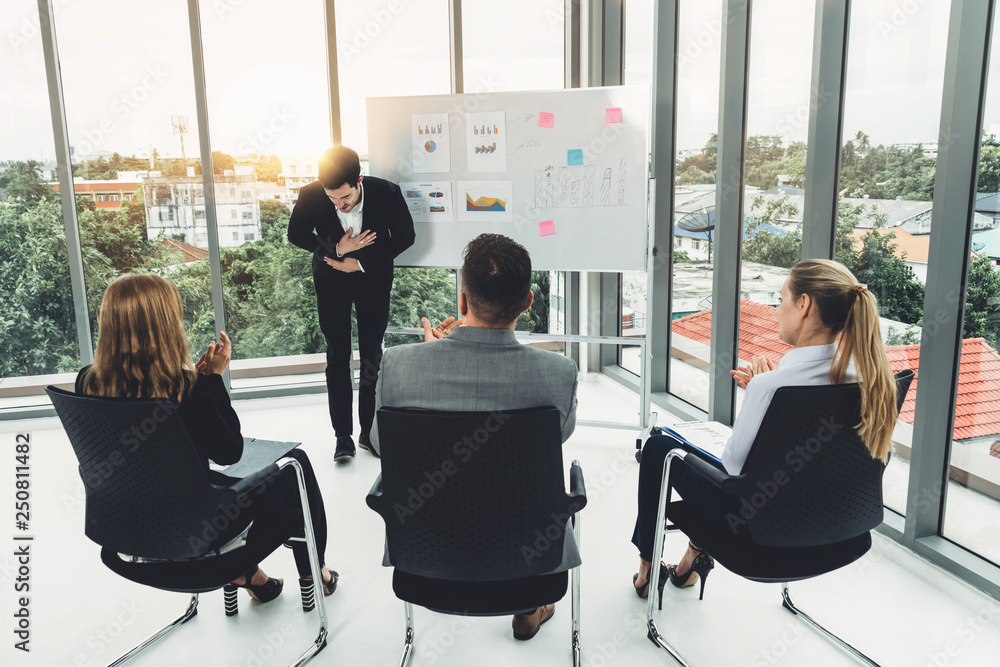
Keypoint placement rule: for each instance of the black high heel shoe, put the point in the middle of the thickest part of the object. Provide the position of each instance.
(702, 565)
(644, 591)
(306, 590)
(263, 593)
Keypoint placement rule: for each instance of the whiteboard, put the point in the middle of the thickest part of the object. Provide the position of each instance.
(558, 171)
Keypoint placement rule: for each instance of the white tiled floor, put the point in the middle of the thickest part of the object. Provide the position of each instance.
(892, 604)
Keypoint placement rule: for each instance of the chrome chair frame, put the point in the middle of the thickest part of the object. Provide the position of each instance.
(404, 661)
(654, 634)
(317, 573)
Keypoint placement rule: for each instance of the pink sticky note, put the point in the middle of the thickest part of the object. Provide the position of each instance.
(546, 228)
(613, 115)
(546, 119)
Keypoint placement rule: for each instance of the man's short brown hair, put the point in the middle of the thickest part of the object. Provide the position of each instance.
(339, 166)
(496, 278)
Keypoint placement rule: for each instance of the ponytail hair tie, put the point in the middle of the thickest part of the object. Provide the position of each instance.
(859, 288)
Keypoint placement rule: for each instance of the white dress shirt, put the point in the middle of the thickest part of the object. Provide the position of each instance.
(801, 366)
(352, 220)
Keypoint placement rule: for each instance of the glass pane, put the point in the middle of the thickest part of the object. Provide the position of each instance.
(773, 195)
(638, 70)
(262, 154)
(887, 181)
(135, 145)
(386, 49)
(698, 72)
(38, 332)
(972, 510)
(514, 46)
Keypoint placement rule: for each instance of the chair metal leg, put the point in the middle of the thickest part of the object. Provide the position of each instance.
(408, 644)
(191, 612)
(575, 574)
(654, 569)
(314, 566)
(786, 602)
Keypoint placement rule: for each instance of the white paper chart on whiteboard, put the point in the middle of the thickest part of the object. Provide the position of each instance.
(486, 141)
(429, 201)
(485, 201)
(431, 144)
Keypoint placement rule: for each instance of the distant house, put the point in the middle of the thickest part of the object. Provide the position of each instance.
(106, 194)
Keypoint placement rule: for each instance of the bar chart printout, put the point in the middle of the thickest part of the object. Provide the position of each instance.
(431, 143)
(486, 141)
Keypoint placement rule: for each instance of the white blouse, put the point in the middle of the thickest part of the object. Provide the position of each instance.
(801, 366)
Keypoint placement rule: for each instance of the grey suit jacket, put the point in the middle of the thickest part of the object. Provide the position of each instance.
(476, 369)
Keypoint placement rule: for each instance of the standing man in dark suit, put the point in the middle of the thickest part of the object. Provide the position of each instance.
(354, 231)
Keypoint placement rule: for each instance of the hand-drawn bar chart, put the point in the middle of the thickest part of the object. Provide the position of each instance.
(574, 187)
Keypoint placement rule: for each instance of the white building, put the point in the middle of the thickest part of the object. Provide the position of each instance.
(176, 205)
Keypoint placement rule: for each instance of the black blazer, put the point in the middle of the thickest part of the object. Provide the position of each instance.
(315, 226)
(209, 417)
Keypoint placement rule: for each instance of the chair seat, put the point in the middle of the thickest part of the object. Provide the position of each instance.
(740, 555)
(189, 576)
(484, 598)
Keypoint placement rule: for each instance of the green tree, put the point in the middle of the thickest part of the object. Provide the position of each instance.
(273, 220)
(267, 167)
(982, 302)
(989, 166)
(762, 245)
(24, 185)
(900, 295)
(222, 162)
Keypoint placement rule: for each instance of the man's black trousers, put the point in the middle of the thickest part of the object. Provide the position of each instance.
(369, 292)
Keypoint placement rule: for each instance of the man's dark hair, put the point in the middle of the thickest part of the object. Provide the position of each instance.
(338, 166)
(496, 278)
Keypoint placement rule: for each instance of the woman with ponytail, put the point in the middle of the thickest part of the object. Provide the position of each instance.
(832, 322)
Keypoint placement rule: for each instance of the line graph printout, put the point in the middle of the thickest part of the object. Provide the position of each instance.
(484, 201)
(431, 144)
(486, 141)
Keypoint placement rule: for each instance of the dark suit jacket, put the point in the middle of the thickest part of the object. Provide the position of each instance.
(315, 226)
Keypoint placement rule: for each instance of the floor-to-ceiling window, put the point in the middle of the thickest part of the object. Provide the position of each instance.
(892, 107)
(38, 332)
(972, 505)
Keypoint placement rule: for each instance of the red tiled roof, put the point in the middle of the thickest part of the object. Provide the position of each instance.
(977, 411)
(188, 252)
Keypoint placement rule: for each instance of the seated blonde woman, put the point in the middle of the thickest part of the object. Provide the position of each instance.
(832, 322)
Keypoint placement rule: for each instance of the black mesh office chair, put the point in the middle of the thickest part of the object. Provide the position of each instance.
(148, 494)
(812, 495)
(476, 512)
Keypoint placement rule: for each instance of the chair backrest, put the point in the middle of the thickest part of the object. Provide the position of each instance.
(809, 479)
(147, 490)
(473, 496)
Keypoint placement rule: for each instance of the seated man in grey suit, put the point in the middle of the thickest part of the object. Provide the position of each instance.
(476, 363)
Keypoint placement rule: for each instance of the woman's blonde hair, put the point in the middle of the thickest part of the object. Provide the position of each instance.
(142, 351)
(847, 307)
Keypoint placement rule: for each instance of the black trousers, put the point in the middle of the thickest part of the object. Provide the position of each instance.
(369, 292)
(277, 512)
